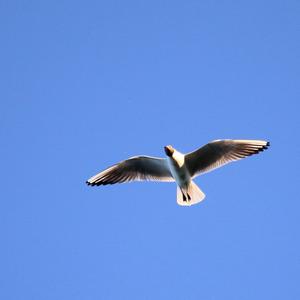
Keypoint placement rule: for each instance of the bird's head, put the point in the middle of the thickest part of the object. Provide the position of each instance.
(169, 150)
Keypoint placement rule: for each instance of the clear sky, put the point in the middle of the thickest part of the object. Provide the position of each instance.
(85, 84)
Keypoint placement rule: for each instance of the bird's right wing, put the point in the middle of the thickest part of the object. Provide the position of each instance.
(134, 168)
(220, 152)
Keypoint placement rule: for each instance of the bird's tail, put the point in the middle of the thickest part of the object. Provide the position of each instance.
(190, 195)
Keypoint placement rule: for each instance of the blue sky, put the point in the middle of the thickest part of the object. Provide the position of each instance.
(86, 84)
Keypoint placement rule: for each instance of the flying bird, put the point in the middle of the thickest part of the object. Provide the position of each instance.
(179, 167)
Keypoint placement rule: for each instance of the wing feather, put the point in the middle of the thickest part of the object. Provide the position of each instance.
(134, 169)
(220, 152)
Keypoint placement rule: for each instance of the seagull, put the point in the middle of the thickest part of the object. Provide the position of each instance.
(179, 167)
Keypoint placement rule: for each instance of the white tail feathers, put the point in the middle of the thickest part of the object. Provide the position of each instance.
(189, 196)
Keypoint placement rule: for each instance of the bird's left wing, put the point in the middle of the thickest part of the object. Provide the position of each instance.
(134, 168)
(220, 152)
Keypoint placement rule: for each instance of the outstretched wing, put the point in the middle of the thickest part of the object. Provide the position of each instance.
(134, 168)
(220, 152)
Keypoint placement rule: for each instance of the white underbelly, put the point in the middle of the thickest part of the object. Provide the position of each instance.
(180, 174)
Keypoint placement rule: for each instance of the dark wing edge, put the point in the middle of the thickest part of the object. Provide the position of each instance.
(220, 152)
(136, 168)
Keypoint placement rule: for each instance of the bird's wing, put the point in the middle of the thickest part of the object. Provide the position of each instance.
(134, 168)
(220, 152)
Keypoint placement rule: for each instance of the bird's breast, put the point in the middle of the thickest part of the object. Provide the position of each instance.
(180, 173)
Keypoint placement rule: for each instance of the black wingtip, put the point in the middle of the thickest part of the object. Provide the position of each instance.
(93, 183)
(266, 146)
